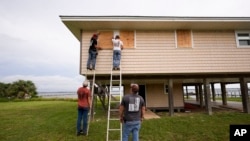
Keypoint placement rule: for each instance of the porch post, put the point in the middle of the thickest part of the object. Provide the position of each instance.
(187, 92)
(201, 95)
(244, 95)
(207, 96)
(197, 92)
(170, 97)
(213, 91)
(223, 93)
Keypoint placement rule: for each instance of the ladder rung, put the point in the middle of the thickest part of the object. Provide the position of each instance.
(115, 93)
(114, 119)
(114, 129)
(114, 110)
(115, 101)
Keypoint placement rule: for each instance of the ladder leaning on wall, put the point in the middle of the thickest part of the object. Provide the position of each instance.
(91, 86)
(114, 127)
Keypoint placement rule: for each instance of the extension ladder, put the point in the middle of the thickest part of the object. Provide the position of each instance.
(114, 127)
(91, 112)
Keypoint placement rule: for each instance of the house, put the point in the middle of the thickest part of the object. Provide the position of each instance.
(163, 54)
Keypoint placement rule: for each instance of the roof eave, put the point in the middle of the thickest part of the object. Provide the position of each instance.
(77, 23)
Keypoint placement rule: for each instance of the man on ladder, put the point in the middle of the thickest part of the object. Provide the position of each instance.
(118, 46)
(115, 91)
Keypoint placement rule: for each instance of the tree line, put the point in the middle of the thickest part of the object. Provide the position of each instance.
(18, 89)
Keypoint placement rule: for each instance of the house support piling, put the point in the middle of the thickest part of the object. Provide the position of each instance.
(170, 97)
(244, 95)
(201, 95)
(207, 96)
(223, 93)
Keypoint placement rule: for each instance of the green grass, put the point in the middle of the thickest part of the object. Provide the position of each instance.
(55, 120)
(236, 99)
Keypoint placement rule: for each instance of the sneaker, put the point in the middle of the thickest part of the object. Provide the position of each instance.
(89, 68)
(118, 68)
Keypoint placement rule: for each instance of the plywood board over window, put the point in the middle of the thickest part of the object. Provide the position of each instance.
(105, 42)
(184, 38)
(104, 39)
(127, 38)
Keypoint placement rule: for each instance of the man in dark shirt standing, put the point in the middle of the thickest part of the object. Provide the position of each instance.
(92, 52)
(131, 113)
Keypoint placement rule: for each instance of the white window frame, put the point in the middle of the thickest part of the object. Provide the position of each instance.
(244, 38)
(165, 88)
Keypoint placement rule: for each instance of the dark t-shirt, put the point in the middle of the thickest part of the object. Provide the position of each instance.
(93, 43)
(133, 104)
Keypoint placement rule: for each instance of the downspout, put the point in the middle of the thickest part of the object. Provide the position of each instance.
(80, 53)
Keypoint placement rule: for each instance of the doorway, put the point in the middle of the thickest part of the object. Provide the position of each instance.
(142, 92)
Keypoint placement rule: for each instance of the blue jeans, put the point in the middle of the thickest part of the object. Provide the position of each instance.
(116, 58)
(92, 59)
(82, 116)
(131, 127)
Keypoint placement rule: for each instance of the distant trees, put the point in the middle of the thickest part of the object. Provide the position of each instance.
(18, 89)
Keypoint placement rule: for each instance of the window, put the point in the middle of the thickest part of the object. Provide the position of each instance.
(184, 38)
(104, 39)
(243, 38)
(165, 89)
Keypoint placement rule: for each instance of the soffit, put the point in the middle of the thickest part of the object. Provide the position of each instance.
(77, 23)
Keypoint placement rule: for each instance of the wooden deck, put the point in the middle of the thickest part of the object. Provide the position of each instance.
(150, 115)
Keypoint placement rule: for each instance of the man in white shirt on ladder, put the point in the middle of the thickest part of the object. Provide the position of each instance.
(117, 47)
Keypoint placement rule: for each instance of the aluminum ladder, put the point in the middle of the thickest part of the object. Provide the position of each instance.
(92, 86)
(114, 127)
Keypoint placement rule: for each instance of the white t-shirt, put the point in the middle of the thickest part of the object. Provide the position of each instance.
(117, 43)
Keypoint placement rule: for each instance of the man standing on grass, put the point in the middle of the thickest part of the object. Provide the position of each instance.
(131, 113)
(84, 102)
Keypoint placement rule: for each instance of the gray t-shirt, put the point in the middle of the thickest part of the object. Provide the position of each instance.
(132, 107)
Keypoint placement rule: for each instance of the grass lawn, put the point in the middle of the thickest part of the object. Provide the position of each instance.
(56, 121)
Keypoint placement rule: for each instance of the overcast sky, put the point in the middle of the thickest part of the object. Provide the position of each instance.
(35, 45)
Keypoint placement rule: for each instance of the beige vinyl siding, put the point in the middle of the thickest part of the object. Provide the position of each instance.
(156, 97)
(178, 94)
(156, 52)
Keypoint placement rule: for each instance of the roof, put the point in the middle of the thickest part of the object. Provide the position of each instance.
(77, 23)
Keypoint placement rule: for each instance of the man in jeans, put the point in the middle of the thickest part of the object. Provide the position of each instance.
(117, 47)
(131, 113)
(92, 52)
(84, 102)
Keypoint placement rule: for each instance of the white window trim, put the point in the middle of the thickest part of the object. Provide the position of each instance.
(165, 85)
(135, 39)
(237, 39)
